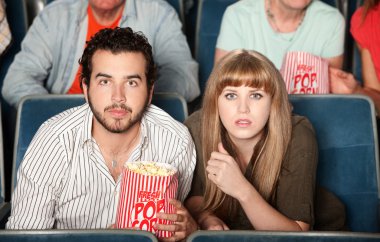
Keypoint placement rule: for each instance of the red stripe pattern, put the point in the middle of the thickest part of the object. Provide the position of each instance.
(305, 73)
(142, 197)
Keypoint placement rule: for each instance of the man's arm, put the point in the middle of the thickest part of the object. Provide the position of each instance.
(177, 71)
(38, 183)
(31, 65)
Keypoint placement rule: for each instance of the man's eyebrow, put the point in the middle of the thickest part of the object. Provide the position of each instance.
(102, 75)
(135, 76)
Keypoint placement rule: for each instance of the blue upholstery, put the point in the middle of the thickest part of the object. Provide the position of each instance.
(77, 236)
(34, 110)
(332, 3)
(210, 14)
(348, 153)
(265, 236)
(172, 103)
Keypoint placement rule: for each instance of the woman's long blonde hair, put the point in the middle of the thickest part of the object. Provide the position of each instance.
(248, 68)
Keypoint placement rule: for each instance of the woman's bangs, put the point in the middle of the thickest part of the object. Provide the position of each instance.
(250, 77)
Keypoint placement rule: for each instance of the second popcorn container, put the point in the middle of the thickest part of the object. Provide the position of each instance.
(146, 188)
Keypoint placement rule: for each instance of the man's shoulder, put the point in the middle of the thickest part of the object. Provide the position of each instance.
(160, 5)
(58, 8)
(164, 123)
(67, 120)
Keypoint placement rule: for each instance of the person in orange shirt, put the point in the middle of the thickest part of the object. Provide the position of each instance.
(48, 60)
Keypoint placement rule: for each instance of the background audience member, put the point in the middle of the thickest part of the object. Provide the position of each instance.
(365, 28)
(275, 27)
(71, 170)
(249, 140)
(5, 33)
(47, 62)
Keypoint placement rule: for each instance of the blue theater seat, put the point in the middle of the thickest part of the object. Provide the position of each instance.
(348, 163)
(77, 236)
(265, 236)
(209, 18)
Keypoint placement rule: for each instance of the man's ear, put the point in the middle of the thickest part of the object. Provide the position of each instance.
(151, 94)
(85, 89)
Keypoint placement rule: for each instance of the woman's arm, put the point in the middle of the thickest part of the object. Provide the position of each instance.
(223, 170)
(219, 53)
(368, 69)
(205, 219)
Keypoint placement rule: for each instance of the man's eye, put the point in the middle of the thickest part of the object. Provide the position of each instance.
(104, 82)
(230, 96)
(132, 83)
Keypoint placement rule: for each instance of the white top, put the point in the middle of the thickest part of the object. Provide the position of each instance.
(245, 26)
(63, 181)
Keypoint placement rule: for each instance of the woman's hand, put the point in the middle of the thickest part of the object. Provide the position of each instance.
(183, 222)
(223, 170)
(342, 82)
(212, 222)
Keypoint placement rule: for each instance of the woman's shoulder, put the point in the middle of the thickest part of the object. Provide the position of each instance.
(245, 7)
(301, 124)
(319, 9)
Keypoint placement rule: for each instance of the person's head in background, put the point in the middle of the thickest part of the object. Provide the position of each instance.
(106, 11)
(246, 105)
(118, 74)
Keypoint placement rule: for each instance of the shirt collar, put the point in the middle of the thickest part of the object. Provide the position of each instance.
(87, 129)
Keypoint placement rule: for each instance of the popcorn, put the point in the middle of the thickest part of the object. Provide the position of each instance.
(145, 190)
(151, 168)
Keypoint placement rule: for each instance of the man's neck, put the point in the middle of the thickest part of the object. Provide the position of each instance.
(115, 142)
(108, 16)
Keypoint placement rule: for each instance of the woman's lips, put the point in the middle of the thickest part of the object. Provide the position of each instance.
(243, 122)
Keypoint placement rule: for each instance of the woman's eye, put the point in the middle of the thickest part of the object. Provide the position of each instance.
(256, 96)
(230, 96)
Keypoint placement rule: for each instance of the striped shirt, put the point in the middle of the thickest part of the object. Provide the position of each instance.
(63, 181)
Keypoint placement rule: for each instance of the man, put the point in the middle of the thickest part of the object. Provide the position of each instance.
(47, 60)
(70, 175)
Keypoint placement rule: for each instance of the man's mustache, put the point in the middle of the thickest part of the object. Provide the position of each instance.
(118, 106)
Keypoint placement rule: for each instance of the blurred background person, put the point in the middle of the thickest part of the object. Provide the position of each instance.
(48, 60)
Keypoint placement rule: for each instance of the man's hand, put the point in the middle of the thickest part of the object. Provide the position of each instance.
(212, 222)
(183, 222)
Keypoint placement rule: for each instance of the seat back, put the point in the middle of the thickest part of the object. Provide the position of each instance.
(209, 19)
(348, 165)
(34, 110)
(264, 236)
(172, 103)
(77, 236)
(31, 113)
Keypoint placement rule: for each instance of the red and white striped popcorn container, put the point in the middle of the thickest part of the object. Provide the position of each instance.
(145, 190)
(305, 73)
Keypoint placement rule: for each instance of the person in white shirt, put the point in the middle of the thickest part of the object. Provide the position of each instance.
(70, 176)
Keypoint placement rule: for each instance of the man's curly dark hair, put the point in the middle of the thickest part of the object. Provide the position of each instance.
(118, 40)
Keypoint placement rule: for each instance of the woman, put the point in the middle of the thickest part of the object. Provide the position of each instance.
(365, 29)
(259, 162)
(275, 27)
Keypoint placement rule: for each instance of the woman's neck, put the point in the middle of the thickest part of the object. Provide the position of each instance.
(282, 18)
